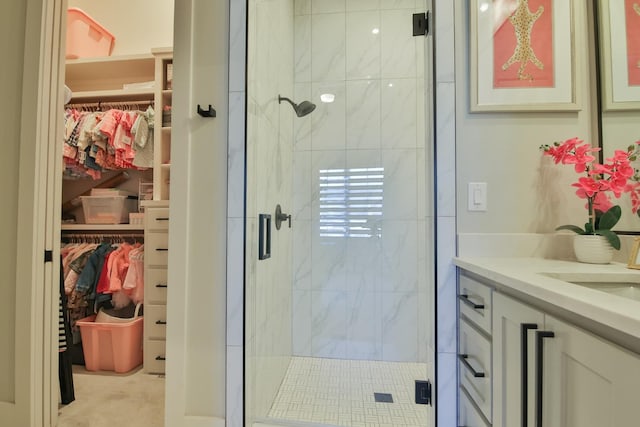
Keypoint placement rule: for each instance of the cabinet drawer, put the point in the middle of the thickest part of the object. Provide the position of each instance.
(154, 356)
(475, 302)
(156, 249)
(475, 366)
(156, 219)
(155, 321)
(468, 414)
(155, 283)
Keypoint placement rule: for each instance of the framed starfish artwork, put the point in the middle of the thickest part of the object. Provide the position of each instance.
(522, 55)
(620, 54)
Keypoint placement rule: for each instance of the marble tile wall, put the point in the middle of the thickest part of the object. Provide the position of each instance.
(360, 296)
(269, 181)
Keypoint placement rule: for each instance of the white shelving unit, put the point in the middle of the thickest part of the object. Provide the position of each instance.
(102, 227)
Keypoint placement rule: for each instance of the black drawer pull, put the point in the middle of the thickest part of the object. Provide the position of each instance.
(161, 322)
(540, 336)
(463, 358)
(161, 285)
(465, 299)
(162, 249)
(162, 219)
(161, 358)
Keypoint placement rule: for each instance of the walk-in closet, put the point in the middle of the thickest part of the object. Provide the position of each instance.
(115, 213)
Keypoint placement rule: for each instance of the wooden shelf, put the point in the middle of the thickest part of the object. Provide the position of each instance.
(101, 227)
(112, 95)
(108, 73)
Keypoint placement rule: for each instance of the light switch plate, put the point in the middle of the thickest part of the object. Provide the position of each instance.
(477, 196)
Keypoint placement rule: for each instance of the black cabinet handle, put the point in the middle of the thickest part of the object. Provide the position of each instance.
(161, 285)
(524, 366)
(162, 219)
(465, 299)
(162, 249)
(209, 112)
(463, 358)
(540, 336)
(161, 322)
(161, 358)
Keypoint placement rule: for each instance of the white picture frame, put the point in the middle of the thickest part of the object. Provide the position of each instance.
(485, 16)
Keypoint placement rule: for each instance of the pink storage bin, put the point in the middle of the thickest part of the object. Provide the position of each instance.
(111, 346)
(85, 37)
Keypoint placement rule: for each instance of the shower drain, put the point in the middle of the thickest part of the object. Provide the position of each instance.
(383, 397)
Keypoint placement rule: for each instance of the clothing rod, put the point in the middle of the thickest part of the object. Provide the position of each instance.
(109, 104)
(100, 236)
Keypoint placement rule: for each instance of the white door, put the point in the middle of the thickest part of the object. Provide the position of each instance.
(31, 58)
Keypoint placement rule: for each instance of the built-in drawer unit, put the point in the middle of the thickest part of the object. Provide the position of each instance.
(474, 358)
(475, 302)
(468, 414)
(155, 321)
(156, 248)
(155, 282)
(154, 356)
(156, 257)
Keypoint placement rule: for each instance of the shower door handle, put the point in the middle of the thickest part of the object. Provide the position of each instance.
(264, 236)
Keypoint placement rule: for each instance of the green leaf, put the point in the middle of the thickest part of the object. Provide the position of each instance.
(573, 228)
(588, 227)
(610, 218)
(612, 238)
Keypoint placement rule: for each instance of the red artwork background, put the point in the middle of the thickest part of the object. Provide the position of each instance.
(633, 42)
(504, 44)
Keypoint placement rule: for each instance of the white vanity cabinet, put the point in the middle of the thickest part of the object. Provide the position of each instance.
(587, 381)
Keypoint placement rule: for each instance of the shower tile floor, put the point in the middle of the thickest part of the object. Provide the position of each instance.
(341, 393)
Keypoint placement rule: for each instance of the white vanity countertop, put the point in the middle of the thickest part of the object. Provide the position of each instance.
(526, 276)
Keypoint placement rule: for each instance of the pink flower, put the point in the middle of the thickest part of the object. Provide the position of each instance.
(587, 187)
(601, 202)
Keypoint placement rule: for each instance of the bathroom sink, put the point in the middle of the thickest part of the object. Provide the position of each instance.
(626, 285)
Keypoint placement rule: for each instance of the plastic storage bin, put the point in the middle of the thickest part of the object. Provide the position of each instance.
(108, 209)
(85, 37)
(111, 346)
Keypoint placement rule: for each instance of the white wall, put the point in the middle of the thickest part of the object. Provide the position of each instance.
(138, 26)
(359, 296)
(269, 182)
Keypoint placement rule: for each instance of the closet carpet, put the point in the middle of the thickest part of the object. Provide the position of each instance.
(106, 399)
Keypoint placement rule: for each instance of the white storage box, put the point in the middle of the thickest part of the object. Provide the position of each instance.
(108, 209)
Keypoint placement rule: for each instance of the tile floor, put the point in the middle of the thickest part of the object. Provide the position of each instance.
(341, 393)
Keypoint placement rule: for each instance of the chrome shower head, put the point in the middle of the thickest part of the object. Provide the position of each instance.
(302, 109)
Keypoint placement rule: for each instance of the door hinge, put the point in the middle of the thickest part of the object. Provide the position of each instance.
(421, 24)
(423, 392)
(48, 256)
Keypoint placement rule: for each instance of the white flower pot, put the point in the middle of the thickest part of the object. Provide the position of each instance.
(592, 249)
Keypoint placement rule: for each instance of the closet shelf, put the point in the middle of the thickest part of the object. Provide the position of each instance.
(112, 95)
(101, 227)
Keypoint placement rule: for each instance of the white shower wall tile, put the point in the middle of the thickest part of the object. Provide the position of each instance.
(302, 125)
(398, 44)
(399, 334)
(302, 323)
(328, 46)
(302, 7)
(235, 281)
(328, 255)
(446, 285)
(357, 5)
(301, 261)
(327, 6)
(329, 317)
(399, 113)
(235, 198)
(302, 185)
(446, 149)
(237, 43)
(363, 114)
(363, 45)
(364, 324)
(400, 184)
(446, 401)
(400, 243)
(444, 28)
(421, 183)
(235, 379)
(302, 47)
(328, 121)
(323, 161)
(363, 264)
